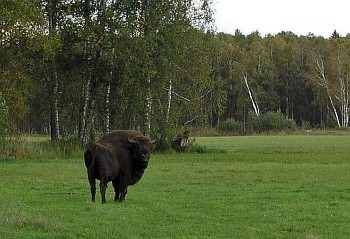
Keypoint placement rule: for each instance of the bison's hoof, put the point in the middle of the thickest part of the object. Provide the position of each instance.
(119, 199)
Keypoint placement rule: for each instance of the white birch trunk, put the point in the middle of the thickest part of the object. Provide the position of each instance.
(54, 120)
(169, 100)
(55, 129)
(251, 96)
(343, 101)
(322, 81)
(107, 120)
(344, 94)
(83, 116)
(334, 109)
(148, 107)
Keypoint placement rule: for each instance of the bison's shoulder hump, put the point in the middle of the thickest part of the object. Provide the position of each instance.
(120, 136)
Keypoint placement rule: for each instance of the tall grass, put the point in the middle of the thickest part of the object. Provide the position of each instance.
(37, 148)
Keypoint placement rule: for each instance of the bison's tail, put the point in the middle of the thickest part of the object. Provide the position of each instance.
(89, 157)
(92, 151)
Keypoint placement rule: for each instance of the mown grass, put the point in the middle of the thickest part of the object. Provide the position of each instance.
(252, 187)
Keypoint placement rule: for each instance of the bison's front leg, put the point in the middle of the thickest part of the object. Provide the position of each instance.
(122, 194)
(120, 190)
(115, 184)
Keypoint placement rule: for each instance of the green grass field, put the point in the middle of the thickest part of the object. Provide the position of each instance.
(252, 187)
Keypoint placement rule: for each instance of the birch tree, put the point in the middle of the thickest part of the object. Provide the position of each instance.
(252, 97)
(55, 15)
(323, 82)
(53, 18)
(99, 29)
(250, 68)
(332, 74)
(343, 96)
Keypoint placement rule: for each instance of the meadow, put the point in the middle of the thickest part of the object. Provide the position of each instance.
(240, 187)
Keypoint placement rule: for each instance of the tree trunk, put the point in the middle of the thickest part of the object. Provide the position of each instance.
(148, 107)
(107, 120)
(54, 119)
(333, 108)
(251, 96)
(322, 81)
(170, 93)
(86, 93)
(84, 109)
(55, 132)
(344, 93)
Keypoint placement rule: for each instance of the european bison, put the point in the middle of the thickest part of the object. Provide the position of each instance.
(121, 157)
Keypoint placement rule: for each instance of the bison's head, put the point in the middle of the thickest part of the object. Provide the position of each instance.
(142, 147)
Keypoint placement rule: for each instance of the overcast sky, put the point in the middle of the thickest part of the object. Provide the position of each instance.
(320, 17)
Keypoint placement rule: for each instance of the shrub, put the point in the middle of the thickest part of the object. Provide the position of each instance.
(202, 149)
(276, 121)
(254, 122)
(163, 144)
(230, 126)
(305, 125)
(270, 121)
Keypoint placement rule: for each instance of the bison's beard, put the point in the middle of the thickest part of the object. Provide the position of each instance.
(141, 160)
(142, 164)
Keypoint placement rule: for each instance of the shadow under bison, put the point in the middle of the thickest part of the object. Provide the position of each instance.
(121, 157)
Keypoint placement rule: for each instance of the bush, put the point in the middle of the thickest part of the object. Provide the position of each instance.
(270, 121)
(202, 149)
(276, 121)
(305, 125)
(163, 144)
(230, 126)
(182, 143)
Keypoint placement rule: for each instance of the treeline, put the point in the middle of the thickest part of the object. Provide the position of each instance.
(77, 67)
(304, 77)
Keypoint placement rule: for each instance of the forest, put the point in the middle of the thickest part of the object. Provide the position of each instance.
(82, 67)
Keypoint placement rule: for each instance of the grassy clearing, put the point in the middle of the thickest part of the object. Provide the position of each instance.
(283, 149)
(257, 187)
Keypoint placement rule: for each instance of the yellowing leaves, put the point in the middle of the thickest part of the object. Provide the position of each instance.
(13, 85)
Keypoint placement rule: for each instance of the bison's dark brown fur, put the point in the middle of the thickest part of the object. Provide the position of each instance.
(121, 157)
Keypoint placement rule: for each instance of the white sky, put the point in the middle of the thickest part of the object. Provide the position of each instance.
(320, 17)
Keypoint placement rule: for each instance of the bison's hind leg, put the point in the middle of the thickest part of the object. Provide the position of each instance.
(103, 186)
(92, 182)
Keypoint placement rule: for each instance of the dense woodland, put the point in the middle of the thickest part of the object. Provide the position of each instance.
(77, 67)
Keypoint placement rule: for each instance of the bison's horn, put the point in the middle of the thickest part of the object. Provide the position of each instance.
(133, 141)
